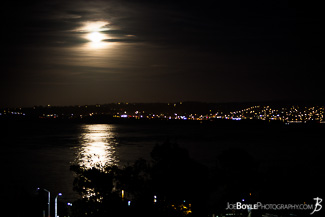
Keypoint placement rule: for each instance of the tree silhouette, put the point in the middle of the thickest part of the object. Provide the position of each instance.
(176, 177)
(155, 188)
(95, 186)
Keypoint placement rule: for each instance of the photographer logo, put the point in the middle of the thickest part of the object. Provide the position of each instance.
(318, 207)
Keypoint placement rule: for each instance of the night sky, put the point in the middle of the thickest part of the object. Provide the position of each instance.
(80, 52)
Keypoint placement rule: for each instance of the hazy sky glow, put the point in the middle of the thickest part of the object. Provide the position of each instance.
(86, 52)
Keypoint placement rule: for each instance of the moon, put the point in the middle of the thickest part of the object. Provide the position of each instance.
(96, 40)
(96, 37)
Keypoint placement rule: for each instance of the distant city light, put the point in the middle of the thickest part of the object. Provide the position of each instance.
(289, 114)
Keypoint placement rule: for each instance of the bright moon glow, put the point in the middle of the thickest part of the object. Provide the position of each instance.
(96, 37)
(94, 26)
(93, 30)
(96, 40)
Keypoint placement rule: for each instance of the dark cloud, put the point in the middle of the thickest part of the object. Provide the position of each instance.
(170, 23)
(207, 50)
(127, 40)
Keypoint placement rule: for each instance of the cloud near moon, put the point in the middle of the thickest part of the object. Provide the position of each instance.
(94, 26)
(104, 51)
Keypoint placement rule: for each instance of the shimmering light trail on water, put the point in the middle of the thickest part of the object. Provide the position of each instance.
(98, 143)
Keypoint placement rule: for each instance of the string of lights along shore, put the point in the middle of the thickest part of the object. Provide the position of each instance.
(172, 111)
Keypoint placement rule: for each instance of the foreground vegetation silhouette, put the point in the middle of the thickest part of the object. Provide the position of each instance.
(172, 184)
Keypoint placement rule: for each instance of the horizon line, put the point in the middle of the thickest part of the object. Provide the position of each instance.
(283, 101)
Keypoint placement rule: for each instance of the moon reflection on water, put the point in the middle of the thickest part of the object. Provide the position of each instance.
(98, 145)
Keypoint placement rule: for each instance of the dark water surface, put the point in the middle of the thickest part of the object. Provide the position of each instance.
(40, 154)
